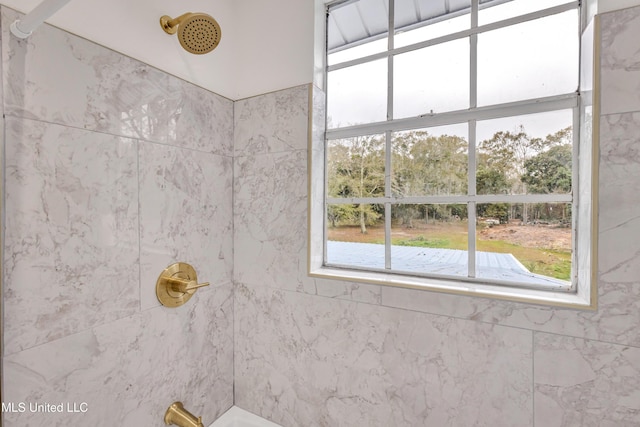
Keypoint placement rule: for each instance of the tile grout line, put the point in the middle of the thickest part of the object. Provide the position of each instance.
(233, 253)
(533, 378)
(138, 149)
(115, 135)
(450, 316)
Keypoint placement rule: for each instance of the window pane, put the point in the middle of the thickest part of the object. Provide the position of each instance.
(512, 8)
(358, 51)
(430, 239)
(534, 59)
(529, 243)
(357, 94)
(355, 166)
(530, 154)
(420, 21)
(355, 235)
(429, 162)
(362, 25)
(431, 80)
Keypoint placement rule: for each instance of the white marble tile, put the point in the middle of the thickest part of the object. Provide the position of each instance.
(585, 383)
(620, 61)
(360, 292)
(619, 198)
(302, 360)
(270, 228)
(71, 238)
(317, 177)
(272, 122)
(185, 215)
(270, 219)
(130, 371)
(61, 78)
(318, 111)
(616, 320)
(200, 119)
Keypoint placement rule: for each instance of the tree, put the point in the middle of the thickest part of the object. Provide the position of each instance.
(507, 152)
(518, 163)
(499, 211)
(491, 181)
(424, 164)
(339, 213)
(356, 169)
(561, 137)
(549, 171)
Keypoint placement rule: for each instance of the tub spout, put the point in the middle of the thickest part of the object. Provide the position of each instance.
(177, 415)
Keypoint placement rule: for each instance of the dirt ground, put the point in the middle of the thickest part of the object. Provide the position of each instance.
(531, 236)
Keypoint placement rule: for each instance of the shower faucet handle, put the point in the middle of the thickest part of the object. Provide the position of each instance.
(185, 285)
(177, 284)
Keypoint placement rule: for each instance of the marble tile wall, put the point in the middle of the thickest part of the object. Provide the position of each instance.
(114, 170)
(316, 352)
(353, 364)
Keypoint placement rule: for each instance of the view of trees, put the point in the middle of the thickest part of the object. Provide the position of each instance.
(510, 162)
(356, 169)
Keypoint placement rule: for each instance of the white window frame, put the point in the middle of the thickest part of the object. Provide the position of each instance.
(583, 197)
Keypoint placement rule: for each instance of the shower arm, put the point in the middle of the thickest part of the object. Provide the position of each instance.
(22, 28)
(169, 25)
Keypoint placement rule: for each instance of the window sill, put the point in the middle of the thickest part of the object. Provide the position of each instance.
(574, 300)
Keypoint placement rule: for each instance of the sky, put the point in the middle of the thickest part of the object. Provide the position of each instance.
(530, 52)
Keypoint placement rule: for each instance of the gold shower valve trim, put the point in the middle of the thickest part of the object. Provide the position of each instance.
(177, 284)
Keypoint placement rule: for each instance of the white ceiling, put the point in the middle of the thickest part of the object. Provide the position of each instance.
(273, 37)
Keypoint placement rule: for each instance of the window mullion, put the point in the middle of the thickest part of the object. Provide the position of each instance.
(387, 236)
(388, 166)
(516, 108)
(387, 206)
(390, 45)
(575, 188)
(473, 63)
(483, 198)
(471, 218)
(471, 173)
(471, 206)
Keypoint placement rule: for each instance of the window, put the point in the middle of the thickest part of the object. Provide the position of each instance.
(456, 154)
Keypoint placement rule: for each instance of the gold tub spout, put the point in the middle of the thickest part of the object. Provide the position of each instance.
(177, 415)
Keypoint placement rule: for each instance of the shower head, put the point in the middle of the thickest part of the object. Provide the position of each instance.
(198, 33)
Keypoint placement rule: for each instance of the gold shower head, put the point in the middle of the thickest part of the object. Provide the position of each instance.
(198, 33)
